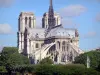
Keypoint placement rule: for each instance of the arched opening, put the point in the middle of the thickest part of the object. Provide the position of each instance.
(67, 46)
(63, 58)
(51, 49)
(30, 22)
(37, 45)
(63, 46)
(71, 41)
(25, 20)
(71, 56)
(56, 58)
(19, 24)
(58, 45)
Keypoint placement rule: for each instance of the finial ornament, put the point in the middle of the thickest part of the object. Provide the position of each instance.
(76, 33)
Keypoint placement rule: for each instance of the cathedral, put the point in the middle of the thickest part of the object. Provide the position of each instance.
(51, 40)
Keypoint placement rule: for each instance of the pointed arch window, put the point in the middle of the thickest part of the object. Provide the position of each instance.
(63, 58)
(25, 20)
(71, 56)
(30, 22)
(19, 24)
(71, 41)
(58, 44)
(67, 47)
(63, 46)
(37, 45)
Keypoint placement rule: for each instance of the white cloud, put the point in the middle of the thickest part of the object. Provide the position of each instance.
(98, 17)
(5, 3)
(69, 23)
(72, 10)
(5, 29)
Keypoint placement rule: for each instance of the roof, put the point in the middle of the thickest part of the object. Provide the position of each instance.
(36, 33)
(61, 32)
(58, 31)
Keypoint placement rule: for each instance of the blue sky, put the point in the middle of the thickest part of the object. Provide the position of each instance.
(81, 14)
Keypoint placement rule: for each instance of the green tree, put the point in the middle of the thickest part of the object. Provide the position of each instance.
(46, 61)
(10, 56)
(69, 69)
(3, 69)
(94, 58)
(98, 68)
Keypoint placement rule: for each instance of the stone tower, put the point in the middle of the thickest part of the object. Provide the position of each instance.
(26, 19)
(45, 23)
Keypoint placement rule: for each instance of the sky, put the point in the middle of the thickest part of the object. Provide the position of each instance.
(81, 14)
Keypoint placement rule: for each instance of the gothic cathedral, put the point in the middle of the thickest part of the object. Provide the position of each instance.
(52, 40)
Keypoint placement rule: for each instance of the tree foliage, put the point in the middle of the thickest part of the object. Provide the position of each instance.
(10, 56)
(46, 61)
(94, 58)
(3, 69)
(48, 69)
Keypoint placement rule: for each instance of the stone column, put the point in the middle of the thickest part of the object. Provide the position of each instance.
(32, 22)
(19, 42)
(28, 21)
(22, 36)
(22, 24)
(28, 45)
(60, 51)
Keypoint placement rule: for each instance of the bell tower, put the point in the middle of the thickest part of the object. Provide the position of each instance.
(25, 19)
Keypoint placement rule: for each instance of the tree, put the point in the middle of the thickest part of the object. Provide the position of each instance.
(94, 58)
(72, 69)
(98, 68)
(3, 69)
(10, 56)
(46, 61)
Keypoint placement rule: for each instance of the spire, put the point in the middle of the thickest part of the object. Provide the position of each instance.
(51, 19)
(50, 2)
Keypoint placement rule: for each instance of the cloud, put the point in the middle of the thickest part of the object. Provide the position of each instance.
(97, 17)
(68, 22)
(90, 34)
(72, 10)
(5, 29)
(6, 3)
